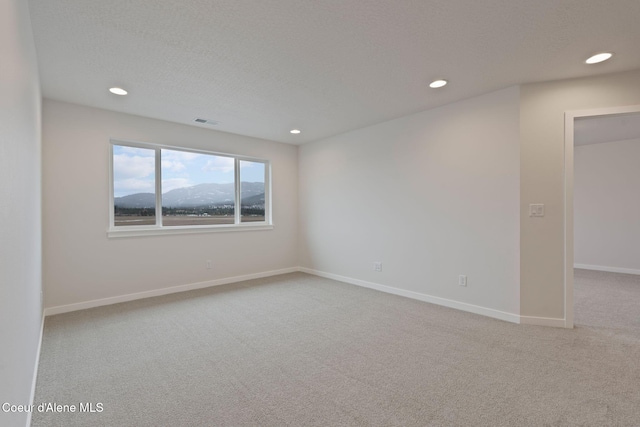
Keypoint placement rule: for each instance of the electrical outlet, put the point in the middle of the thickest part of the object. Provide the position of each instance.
(462, 280)
(209, 264)
(377, 266)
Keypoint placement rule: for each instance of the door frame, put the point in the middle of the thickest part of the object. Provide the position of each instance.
(569, 120)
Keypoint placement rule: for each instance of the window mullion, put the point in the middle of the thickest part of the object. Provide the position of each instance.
(267, 193)
(238, 202)
(112, 219)
(158, 165)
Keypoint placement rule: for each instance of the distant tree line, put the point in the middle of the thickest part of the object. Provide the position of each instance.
(199, 210)
(196, 210)
(120, 211)
(252, 210)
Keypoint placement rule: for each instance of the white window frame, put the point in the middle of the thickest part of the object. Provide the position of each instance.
(158, 228)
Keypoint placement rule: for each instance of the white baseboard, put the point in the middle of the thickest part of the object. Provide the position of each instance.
(484, 311)
(489, 312)
(35, 371)
(543, 321)
(164, 291)
(608, 269)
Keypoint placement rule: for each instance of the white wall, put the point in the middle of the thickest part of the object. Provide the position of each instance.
(542, 127)
(82, 264)
(606, 199)
(431, 196)
(20, 230)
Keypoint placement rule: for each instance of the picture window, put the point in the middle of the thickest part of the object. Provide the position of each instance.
(157, 187)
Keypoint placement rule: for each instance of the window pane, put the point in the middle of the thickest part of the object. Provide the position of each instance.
(252, 191)
(134, 193)
(197, 189)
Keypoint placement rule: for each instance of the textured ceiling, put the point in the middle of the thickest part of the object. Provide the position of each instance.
(263, 67)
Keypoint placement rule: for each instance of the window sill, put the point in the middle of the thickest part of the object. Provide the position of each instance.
(128, 231)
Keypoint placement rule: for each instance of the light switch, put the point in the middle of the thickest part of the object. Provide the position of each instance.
(536, 210)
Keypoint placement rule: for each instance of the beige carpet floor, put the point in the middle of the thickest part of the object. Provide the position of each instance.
(299, 350)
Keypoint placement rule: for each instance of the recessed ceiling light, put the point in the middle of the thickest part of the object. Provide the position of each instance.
(599, 58)
(295, 131)
(437, 83)
(118, 91)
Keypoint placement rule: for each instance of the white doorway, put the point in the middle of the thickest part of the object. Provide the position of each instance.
(584, 128)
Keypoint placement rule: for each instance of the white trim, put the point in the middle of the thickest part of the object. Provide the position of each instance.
(158, 228)
(568, 219)
(111, 189)
(268, 205)
(484, 311)
(237, 198)
(608, 269)
(569, 119)
(35, 371)
(158, 189)
(544, 321)
(489, 312)
(153, 146)
(50, 311)
(187, 229)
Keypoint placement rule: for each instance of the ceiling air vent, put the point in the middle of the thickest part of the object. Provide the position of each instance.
(206, 122)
